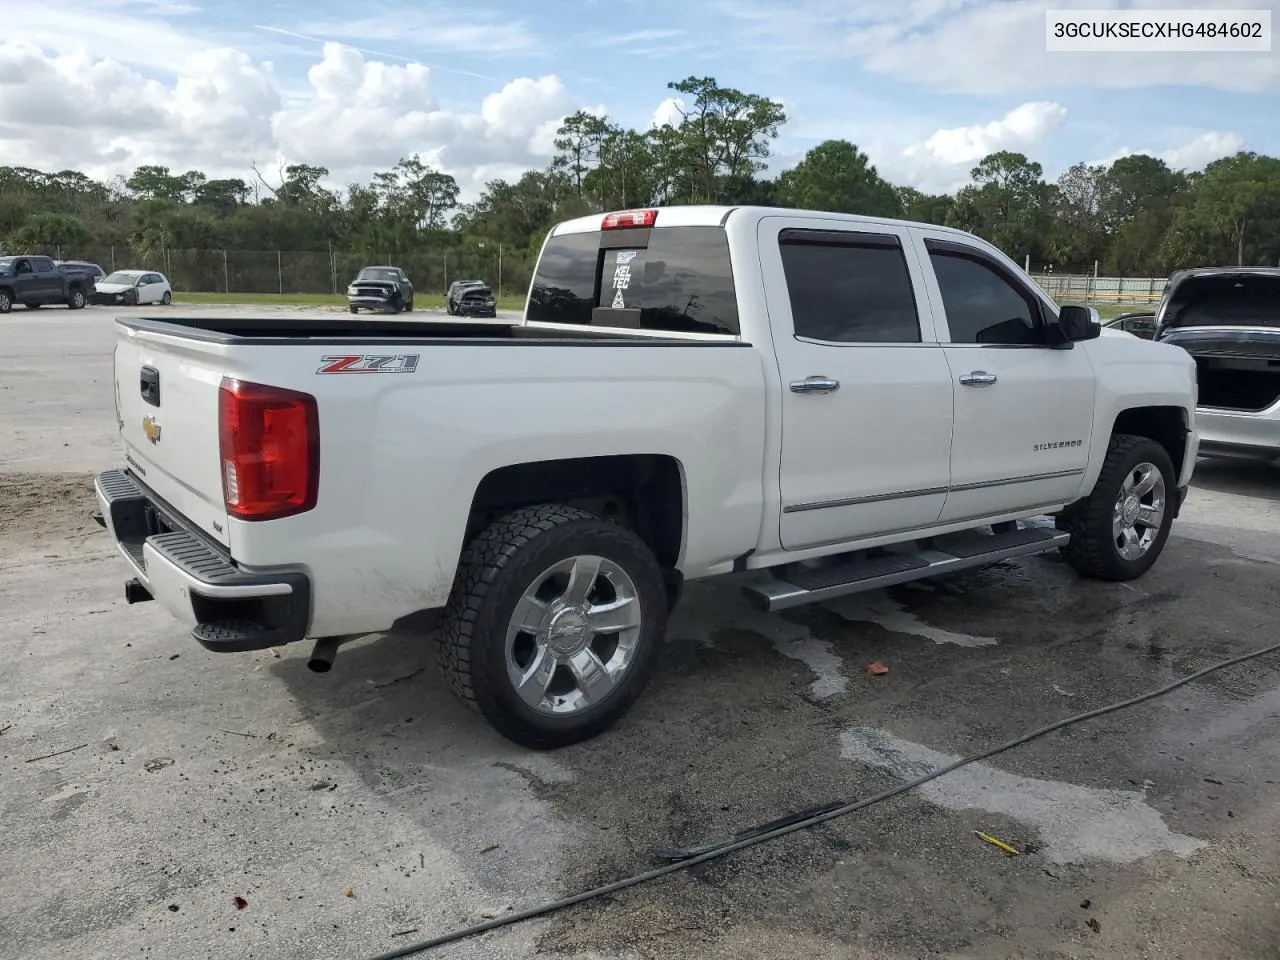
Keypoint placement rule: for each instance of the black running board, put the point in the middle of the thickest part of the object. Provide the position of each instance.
(803, 584)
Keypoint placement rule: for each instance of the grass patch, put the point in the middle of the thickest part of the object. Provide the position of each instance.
(425, 301)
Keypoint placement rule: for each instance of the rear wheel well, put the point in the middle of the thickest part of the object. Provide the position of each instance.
(1165, 425)
(643, 492)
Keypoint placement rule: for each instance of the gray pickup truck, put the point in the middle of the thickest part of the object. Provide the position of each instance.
(39, 281)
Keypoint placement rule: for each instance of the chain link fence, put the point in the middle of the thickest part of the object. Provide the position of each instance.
(507, 271)
(1091, 289)
(311, 272)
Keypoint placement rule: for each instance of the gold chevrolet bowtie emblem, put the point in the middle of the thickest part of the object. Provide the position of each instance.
(151, 429)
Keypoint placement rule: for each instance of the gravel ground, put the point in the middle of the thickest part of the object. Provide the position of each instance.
(191, 779)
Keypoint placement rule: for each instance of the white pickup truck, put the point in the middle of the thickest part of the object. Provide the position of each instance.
(821, 403)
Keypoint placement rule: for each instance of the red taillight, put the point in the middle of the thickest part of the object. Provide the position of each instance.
(629, 218)
(269, 440)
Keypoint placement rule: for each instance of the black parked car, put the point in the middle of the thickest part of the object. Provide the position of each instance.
(380, 288)
(471, 298)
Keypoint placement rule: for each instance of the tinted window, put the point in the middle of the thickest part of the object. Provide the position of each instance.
(849, 290)
(564, 286)
(41, 264)
(674, 279)
(981, 305)
(1140, 326)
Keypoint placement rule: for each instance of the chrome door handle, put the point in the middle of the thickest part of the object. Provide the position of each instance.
(979, 378)
(815, 385)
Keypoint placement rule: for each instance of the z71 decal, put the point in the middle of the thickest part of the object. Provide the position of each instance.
(389, 363)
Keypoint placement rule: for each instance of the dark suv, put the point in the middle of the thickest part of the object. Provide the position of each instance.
(470, 298)
(380, 288)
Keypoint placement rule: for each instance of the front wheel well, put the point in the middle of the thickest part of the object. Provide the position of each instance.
(1165, 425)
(644, 492)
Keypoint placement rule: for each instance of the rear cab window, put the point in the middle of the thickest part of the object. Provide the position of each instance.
(674, 279)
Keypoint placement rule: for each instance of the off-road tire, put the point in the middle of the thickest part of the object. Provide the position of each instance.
(1092, 550)
(495, 569)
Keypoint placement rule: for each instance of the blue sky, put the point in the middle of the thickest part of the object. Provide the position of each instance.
(925, 86)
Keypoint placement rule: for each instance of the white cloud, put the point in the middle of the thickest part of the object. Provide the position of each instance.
(1023, 126)
(221, 112)
(359, 112)
(983, 47)
(667, 113)
(637, 37)
(132, 32)
(1196, 154)
(941, 163)
(431, 29)
(1203, 150)
(71, 110)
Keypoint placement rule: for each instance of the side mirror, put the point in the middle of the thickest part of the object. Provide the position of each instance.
(1079, 323)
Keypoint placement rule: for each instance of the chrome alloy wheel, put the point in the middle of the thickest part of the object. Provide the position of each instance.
(1139, 510)
(573, 635)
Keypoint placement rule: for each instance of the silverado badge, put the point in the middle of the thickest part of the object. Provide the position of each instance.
(151, 429)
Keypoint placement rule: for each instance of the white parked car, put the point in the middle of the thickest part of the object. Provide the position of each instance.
(133, 287)
(821, 402)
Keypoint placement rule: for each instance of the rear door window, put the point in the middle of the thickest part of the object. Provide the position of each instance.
(674, 279)
(847, 287)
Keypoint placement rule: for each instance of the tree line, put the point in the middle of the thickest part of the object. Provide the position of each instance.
(1133, 217)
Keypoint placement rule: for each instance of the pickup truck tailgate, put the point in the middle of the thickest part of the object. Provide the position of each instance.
(167, 412)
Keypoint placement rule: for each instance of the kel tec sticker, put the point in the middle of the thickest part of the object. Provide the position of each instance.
(401, 363)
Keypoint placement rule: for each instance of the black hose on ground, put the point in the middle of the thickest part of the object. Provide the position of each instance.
(685, 858)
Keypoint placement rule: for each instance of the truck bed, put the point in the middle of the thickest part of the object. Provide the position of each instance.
(346, 330)
(395, 458)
